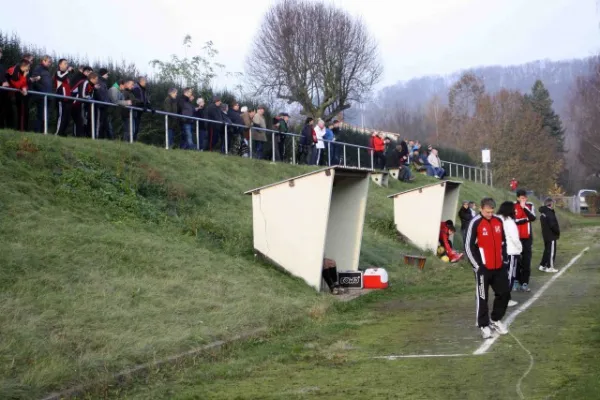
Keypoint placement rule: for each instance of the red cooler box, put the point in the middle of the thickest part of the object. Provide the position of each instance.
(375, 278)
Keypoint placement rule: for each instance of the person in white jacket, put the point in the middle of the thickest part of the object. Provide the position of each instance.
(436, 164)
(514, 248)
(320, 131)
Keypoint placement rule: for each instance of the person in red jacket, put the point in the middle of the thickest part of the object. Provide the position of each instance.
(524, 216)
(16, 77)
(378, 146)
(486, 250)
(514, 184)
(446, 229)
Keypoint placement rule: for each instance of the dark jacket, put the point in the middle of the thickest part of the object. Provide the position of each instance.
(171, 105)
(465, 216)
(2, 73)
(128, 95)
(45, 83)
(550, 228)
(485, 243)
(201, 113)
(101, 93)
(141, 94)
(236, 118)
(214, 113)
(185, 107)
(76, 78)
(307, 135)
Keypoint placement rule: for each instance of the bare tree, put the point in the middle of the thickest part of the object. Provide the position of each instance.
(316, 55)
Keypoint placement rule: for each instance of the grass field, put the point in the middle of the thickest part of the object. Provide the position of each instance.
(115, 254)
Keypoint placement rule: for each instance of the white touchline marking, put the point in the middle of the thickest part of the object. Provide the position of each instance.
(421, 356)
(485, 346)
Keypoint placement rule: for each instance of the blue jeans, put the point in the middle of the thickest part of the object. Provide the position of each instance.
(39, 121)
(126, 129)
(203, 136)
(170, 135)
(258, 149)
(187, 142)
(440, 172)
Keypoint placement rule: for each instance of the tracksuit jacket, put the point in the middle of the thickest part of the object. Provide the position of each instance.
(550, 228)
(524, 217)
(485, 243)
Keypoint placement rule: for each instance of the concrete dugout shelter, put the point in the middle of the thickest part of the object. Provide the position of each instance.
(299, 221)
(419, 212)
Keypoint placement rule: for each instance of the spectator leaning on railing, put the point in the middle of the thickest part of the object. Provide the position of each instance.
(259, 137)
(235, 131)
(16, 77)
(306, 141)
(214, 113)
(140, 92)
(186, 108)
(170, 105)
(104, 126)
(4, 100)
(319, 144)
(128, 123)
(42, 82)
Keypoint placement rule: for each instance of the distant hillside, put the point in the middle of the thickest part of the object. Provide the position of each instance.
(415, 93)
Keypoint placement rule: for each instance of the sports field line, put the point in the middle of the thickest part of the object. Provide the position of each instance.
(485, 346)
(420, 356)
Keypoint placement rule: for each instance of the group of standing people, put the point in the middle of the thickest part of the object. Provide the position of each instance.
(499, 247)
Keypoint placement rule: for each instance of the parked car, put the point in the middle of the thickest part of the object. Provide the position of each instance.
(583, 193)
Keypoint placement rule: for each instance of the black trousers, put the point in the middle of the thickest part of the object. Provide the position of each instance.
(513, 263)
(104, 129)
(77, 115)
(379, 160)
(6, 113)
(549, 255)
(524, 266)
(498, 280)
(63, 115)
(21, 112)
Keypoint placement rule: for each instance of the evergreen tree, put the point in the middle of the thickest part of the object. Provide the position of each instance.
(542, 104)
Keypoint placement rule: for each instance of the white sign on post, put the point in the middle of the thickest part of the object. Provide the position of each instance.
(486, 157)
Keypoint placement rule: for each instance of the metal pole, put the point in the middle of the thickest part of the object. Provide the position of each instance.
(373, 159)
(130, 125)
(250, 138)
(293, 150)
(344, 154)
(358, 151)
(491, 179)
(329, 153)
(470, 169)
(45, 115)
(167, 145)
(226, 147)
(93, 118)
(486, 173)
(197, 135)
(463, 172)
(272, 146)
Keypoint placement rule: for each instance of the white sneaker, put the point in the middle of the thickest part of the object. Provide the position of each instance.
(543, 269)
(551, 269)
(512, 303)
(486, 332)
(499, 327)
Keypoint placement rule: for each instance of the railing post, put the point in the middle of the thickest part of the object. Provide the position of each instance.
(491, 179)
(197, 135)
(358, 151)
(45, 115)
(373, 159)
(344, 154)
(250, 140)
(93, 118)
(463, 171)
(226, 141)
(329, 153)
(470, 169)
(273, 146)
(130, 125)
(167, 144)
(293, 150)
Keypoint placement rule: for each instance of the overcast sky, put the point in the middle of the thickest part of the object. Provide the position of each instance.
(416, 37)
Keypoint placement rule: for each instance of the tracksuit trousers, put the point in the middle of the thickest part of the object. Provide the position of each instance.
(498, 280)
(549, 255)
(524, 266)
(513, 264)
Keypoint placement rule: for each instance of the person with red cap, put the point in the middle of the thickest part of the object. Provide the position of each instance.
(446, 229)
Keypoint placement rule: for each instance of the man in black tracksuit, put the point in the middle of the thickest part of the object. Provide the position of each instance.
(465, 216)
(550, 233)
(486, 250)
(5, 120)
